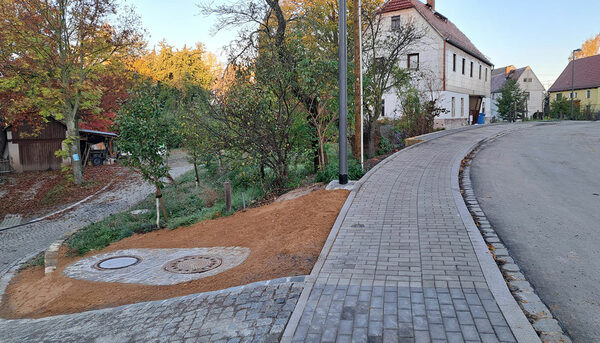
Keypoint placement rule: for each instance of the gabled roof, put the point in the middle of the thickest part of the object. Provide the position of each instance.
(499, 78)
(587, 75)
(441, 24)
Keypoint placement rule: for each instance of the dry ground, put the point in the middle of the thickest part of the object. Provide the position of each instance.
(285, 239)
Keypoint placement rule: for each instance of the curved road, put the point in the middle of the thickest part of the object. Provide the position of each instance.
(540, 189)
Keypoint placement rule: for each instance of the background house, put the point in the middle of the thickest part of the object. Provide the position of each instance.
(528, 82)
(459, 72)
(587, 84)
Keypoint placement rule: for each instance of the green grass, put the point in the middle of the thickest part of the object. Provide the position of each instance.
(185, 202)
(37, 260)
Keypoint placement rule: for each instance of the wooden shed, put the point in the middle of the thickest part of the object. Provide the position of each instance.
(29, 151)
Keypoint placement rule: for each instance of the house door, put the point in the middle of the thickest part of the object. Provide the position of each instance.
(475, 108)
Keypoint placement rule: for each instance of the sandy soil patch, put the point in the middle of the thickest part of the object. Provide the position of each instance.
(285, 239)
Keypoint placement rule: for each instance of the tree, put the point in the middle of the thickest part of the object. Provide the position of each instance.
(512, 104)
(144, 134)
(383, 50)
(58, 51)
(590, 47)
(560, 107)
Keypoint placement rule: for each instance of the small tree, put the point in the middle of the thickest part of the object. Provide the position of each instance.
(512, 103)
(144, 133)
(559, 108)
(383, 50)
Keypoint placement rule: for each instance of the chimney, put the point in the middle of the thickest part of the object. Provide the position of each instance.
(431, 4)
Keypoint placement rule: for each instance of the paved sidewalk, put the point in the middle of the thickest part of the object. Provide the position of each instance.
(255, 313)
(402, 267)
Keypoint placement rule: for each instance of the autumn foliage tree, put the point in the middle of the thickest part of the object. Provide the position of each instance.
(590, 47)
(58, 50)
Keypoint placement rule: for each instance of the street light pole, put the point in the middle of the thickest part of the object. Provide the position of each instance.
(343, 97)
(573, 82)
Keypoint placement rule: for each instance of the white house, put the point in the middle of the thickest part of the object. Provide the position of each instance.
(528, 82)
(461, 72)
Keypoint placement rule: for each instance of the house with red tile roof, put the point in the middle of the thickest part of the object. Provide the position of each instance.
(461, 72)
(586, 75)
(527, 81)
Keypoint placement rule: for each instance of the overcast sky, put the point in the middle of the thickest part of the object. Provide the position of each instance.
(538, 33)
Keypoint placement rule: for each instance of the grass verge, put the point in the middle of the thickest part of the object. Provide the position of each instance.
(186, 204)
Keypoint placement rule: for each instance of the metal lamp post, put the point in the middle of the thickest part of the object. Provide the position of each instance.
(343, 99)
(573, 83)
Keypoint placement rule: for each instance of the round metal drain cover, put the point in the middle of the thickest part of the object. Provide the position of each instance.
(118, 262)
(193, 264)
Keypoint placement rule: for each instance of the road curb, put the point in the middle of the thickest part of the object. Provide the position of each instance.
(531, 306)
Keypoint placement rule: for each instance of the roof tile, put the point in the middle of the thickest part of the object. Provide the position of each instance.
(587, 75)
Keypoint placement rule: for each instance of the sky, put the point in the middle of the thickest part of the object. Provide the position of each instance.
(536, 33)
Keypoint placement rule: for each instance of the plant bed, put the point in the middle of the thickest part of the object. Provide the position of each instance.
(284, 238)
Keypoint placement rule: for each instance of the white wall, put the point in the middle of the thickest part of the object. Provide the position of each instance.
(457, 82)
(431, 64)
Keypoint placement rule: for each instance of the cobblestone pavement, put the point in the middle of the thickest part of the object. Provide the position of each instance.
(23, 241)
(403, 267)
(254, 313)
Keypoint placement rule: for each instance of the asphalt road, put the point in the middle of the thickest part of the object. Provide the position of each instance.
(540, 189)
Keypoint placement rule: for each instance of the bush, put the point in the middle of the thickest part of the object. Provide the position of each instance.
(385, 146)
(331, 172)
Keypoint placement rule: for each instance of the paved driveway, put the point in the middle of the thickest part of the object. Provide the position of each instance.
(540, 189)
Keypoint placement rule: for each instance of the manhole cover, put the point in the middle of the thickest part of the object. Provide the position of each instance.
(193, 264)
(118, 262)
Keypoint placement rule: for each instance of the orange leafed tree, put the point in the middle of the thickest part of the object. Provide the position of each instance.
(590, 47)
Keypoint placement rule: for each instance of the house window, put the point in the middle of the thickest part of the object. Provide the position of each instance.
(396, 22)
(485, 74)
(453, 62)
(480, 71)
(589, 94)
(574, 95)
(558, 96)
(483, 107)
(463, 66)
(462, 107)
(413, 61)
(453, 107)
(471, 69)
(383, 107)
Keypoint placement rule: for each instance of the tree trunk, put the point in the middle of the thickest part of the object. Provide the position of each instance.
(74, 149)
(162, 203)
(371, 139)
(196, 172)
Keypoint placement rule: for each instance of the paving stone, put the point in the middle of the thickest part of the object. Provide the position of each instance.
(547, 325)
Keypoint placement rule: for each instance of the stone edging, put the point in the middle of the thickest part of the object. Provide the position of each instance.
(532, 306)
